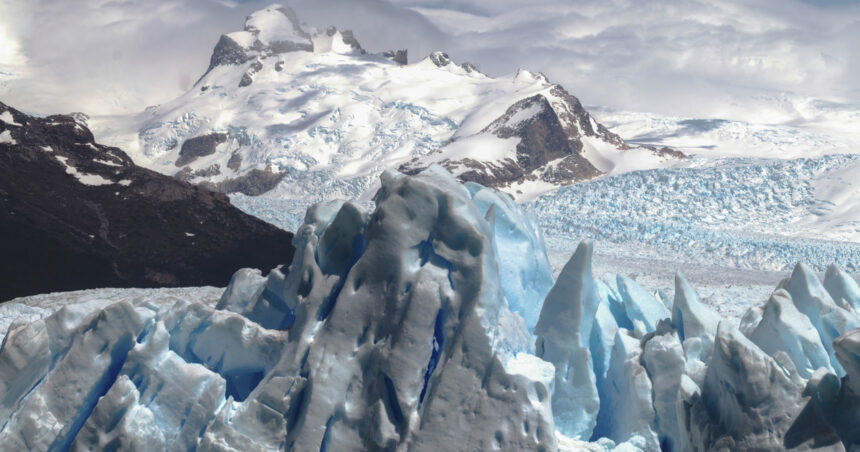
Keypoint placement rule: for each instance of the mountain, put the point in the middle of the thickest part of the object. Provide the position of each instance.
(401, 329)
(297, 112)
(76, 214)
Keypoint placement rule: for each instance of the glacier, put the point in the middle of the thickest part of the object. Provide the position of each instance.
(431, 322)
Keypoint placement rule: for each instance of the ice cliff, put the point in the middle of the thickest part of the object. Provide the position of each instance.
(433, 322)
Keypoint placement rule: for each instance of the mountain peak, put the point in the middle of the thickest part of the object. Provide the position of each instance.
(276, 23)
(275, 30)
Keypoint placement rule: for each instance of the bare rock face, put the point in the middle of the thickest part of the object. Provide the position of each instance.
(199, 147)
(77, 215)
(550, 128)
(256, 43)
(440, 59)
(398, 56)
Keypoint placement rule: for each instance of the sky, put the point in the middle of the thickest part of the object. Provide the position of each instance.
(772, 61)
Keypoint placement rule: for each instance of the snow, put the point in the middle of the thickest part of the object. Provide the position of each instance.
(7, 117)
(107, 162)
(84, 178)
(709, 138)
(6, 138)
(274, 26)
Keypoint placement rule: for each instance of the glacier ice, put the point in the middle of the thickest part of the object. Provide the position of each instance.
(641, 305)
(389, 329)
(842, 288)
(695, 322)
(407, 328)
(630, 411)
(563, 338)
(811, 298)
(663, 360)
(783, 328)
(524, 269)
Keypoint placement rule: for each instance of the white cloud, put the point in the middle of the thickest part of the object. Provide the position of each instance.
(761, 60)
(699, 58)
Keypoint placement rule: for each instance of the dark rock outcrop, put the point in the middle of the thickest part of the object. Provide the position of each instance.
(200, 146)
(440, 59)
(550, 128)
(229, 52)
(253, 183)
(398, 56)
(76, 215)
(470, 68)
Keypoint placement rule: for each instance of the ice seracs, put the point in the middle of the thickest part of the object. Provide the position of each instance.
(842, 288)
(783, 328)
(383, 328)
(397, 329)
(830, 320)
(564, 332)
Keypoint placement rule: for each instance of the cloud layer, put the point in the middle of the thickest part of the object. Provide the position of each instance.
(766, 60)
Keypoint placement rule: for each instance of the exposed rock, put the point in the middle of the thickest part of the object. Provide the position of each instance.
(200, 146)
(187, 174)
(227, 52)
(348, 38)
(230, 52)
(253, 183)
(398, 56)
(235, 161)
(550, 130)
(78, 215)
(440, 59)
(469, 67)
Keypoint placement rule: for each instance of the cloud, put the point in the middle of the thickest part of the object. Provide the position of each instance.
(767, 60)
(694, 57)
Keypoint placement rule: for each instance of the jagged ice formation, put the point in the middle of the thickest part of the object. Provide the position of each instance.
(405, 328)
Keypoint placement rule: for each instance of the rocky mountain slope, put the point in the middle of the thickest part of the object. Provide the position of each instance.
(298, 112)
(75, 214)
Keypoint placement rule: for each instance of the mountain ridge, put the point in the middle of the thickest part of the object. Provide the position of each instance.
(301, 105)
(78, 215)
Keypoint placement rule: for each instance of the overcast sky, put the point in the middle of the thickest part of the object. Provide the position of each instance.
(760, 60)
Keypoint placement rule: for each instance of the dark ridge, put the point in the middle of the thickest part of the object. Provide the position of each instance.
(137, 228)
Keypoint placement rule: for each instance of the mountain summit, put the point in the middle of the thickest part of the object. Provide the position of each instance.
(304, 113)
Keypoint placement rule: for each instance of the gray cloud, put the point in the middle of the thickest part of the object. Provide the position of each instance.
(759, 60)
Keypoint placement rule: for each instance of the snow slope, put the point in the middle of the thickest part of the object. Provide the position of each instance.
(302, 113)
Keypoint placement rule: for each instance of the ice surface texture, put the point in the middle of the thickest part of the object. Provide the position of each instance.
(390, 330)
(407, 328)
(740, 213)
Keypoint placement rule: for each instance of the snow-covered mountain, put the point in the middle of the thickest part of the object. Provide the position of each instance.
(401, 329)
(298, 112)
(75, 214)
